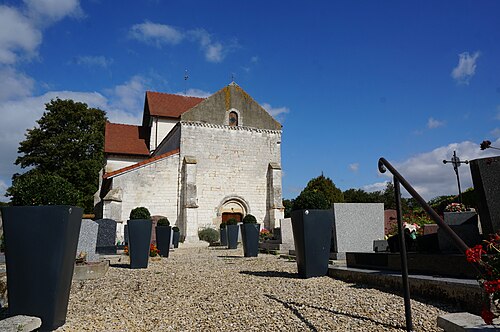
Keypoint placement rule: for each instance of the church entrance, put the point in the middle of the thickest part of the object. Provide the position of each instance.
(228, 215)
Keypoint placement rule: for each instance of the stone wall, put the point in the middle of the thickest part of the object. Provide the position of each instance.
(154, 186)
(116, 162)
(231, 162)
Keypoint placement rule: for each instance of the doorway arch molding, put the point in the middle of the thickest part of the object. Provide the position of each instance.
(232, 202)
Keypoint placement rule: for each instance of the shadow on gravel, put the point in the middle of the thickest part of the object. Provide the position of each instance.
(272, 274)
(120, 265)
(291, 306)
(229, 256)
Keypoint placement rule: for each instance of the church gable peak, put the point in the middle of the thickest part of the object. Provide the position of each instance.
(229, 106)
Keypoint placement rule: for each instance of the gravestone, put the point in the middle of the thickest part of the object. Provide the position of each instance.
(465, 225)
(486, 179)
(87, 240)
(106, 237)
(286, 233)
(355, 226)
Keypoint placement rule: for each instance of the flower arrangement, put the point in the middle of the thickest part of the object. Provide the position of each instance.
(487, 256)
(265, 234)
(411, 229)
(125, 250)
(455, 207)
(153, 251)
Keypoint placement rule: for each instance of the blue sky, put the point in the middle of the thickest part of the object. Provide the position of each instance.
(351, 81)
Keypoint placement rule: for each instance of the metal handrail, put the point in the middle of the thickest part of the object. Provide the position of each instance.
(383, 165)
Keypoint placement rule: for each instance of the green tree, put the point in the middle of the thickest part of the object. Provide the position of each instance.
(311, 200)
(69, 142)
(320, 193)
(34, 188)
(288, 204)
(361, 196)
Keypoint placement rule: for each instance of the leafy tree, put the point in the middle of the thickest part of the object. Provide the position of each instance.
(68, 141)
(34, 188)
(288, 204)
(361, 196)
(326, 186)
(311, 200)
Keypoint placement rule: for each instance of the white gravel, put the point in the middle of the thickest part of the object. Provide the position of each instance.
(213, 289)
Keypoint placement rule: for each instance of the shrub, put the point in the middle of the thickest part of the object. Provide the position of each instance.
(163, 222)
(175, 229)
(140, 213)
(249, 219)
(208, 234)
(222, 225)
(232, 221)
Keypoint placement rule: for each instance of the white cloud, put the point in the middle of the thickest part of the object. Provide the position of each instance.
(130, 95)
(254, 59)
(495, 132)
(49, 11)
(162, 34)
(93, 61)
(378, 186)
(430, 177)
(156, 34)
(195, 93)
(497, 117)
(18, 36)
(14, 84)
(433, 123)
(3, 189)
(354, 167)
(275, 111)
(466, 67)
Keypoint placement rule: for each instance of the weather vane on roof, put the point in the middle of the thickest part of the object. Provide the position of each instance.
(186, 76)
(455, 161)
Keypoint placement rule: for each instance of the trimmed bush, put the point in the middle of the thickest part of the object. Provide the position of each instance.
(249, 219)
(222, 225)
(232, 221)
(175, 229)
(140, 213)
(208, 234)
(163, 222)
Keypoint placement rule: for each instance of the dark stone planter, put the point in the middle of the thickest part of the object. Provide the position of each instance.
(232, 236)
(41, 243)
(223, 237)
(139, 233)
(163, 239)
(175, 240)
(312, 233)
(250, 239)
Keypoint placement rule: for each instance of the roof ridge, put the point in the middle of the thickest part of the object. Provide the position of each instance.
(139, 164)
(124, 124)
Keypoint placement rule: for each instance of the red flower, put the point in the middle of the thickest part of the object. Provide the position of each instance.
(474, 254)
(491, 286)
(487, 316)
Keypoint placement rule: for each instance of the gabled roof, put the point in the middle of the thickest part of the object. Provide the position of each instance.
(168, 105)
(139, 164)
(125, 139)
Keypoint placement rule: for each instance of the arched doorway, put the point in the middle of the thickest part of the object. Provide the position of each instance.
(233, 207)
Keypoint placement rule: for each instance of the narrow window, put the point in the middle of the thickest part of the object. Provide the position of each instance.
(233, 119)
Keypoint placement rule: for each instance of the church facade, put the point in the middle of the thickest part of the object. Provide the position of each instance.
(196, 161)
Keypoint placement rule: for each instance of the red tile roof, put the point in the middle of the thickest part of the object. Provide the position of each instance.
(139, 164)
(125, 139)
(168, 105)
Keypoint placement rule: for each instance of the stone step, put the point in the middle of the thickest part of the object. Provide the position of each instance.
(463, 321)
(20, 323)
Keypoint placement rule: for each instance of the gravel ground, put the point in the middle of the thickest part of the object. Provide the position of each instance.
(213, 289)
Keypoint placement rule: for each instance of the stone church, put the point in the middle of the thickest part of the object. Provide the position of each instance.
(196, 161)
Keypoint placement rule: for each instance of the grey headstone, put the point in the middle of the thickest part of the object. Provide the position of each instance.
(486, 179)
(106, 237)
(468, 232)
(458, 218)
(287, 242)
(356, 226)
(87, 240)
(380, 246)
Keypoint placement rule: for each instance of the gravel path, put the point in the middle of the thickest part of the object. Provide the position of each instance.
(212, 289)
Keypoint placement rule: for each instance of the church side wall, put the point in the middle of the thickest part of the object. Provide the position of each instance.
(171, 142)
(115, 162)
(159, 130)
(231, 161)
(153, 186)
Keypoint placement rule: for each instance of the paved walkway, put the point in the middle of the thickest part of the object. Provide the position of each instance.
(214, 289)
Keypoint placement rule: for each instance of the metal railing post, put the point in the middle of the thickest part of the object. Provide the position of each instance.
(402, 254)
